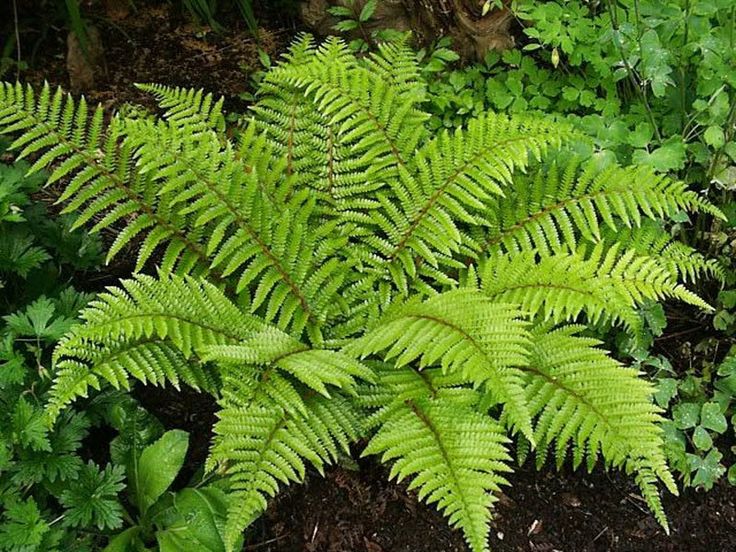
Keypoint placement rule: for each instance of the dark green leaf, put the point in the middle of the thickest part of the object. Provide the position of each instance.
(123, 542)
(200, 514)
(702, 439)
(92, 499)
(666, 391)
(686, 415)
(707, 470)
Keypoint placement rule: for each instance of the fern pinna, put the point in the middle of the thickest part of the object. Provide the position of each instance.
(336, 273)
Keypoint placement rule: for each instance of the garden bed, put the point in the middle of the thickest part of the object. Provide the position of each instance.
(357, 509)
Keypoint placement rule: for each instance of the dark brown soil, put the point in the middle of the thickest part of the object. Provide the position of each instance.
(155, 44)
(542, 512)
(358, 510)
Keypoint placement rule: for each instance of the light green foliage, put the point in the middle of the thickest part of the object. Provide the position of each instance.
(459, 474)
(652, 81)
(339, 272)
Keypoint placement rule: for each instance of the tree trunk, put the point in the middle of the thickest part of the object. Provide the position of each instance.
(472, 33)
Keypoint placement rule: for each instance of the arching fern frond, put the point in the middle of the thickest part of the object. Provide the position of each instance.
(149, 362)
(455, 455)
(148, 329)
(361, 128)
(284, 404)
(430, 427)
(605, 284)
(462, 331)
(103, 184)
(561, 206)
(260, 448)
(455, 178)
(249, 236)
(188, 108)
(293, 126)
(683, 261)
(582, 398)
(396, 62)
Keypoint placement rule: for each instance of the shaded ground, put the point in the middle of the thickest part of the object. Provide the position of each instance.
(543, 512)
(359, 511)
(155, 43)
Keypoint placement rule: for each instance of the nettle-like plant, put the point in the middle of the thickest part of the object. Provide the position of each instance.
(339, 274)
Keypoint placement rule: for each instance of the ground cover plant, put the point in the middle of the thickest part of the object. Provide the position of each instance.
(653, 82)
(45, 481)
(188, 519)
(339, 274)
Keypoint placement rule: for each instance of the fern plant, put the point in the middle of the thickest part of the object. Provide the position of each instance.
(336, 273)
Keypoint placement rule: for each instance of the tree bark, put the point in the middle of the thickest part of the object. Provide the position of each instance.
(473, 33)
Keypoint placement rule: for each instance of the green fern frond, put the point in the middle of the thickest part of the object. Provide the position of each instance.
(455, 455)
(462, 331)
(148, 329)
(561, 206)
(103, 185)
(396, 62)
(290, 122)
(188, 108)
(583, 399)
(261, 448)
(283, 404)
(249, 236)
(361, 128)
(683, 261)
(456, 177)
(606, 285)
